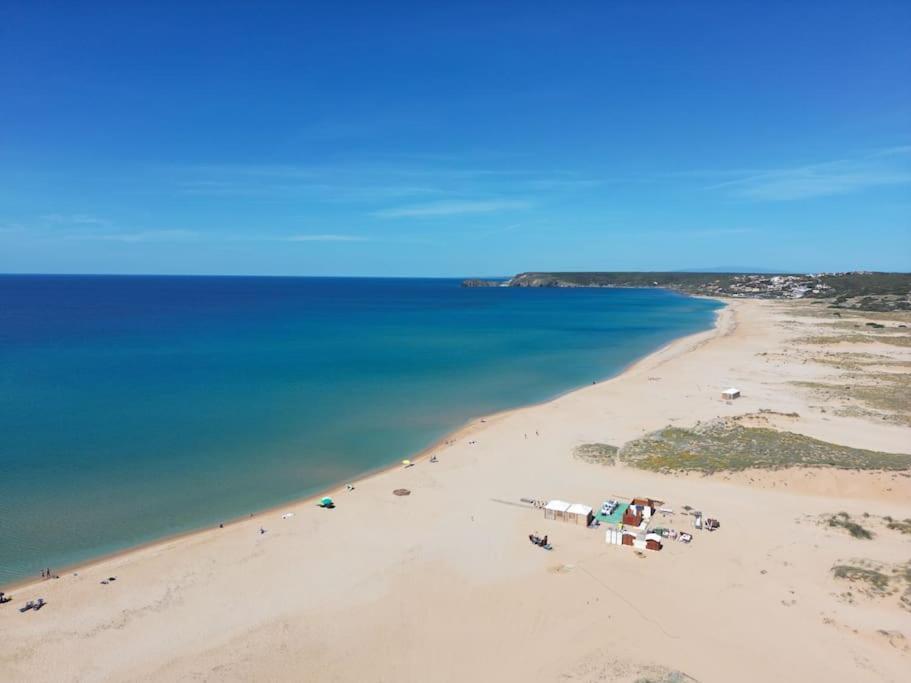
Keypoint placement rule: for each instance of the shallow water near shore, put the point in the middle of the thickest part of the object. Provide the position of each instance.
(132, 408)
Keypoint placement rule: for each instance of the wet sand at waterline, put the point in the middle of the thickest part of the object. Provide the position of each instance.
(443, 585)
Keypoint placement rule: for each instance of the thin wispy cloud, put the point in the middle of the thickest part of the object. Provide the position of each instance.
(312, 184)
(138, 236)
(72, 219)
(569, 183)
(191, 235)
(453, 208)
(324, 238)
(880, 169)
(79, 227)
(64, 227)
(898, 150)
(376, 182)
(686, 232)
(9, 228)
(706, 232)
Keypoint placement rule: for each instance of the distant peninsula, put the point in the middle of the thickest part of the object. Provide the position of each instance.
(485, 283)
(860, 290)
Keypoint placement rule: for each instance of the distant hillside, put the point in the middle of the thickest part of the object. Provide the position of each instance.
(748, 270)
(858, 290)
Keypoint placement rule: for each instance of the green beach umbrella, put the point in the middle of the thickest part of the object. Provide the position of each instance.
(326, 501)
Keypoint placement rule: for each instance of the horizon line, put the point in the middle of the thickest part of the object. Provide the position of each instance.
(445, 277)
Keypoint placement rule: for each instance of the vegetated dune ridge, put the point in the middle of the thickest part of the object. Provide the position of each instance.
(443, 585)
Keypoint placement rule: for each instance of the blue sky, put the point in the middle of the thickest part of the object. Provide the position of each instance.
(480, 139)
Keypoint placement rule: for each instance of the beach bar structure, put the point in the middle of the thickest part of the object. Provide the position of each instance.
(640, 511)
(575, 513)
(730, 394)
(637, 539)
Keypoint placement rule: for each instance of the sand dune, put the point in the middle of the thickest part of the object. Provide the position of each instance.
(443, 585)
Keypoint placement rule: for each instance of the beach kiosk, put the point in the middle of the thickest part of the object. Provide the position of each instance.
(577, 513)
(730, 394)
(574, 513)
(556, 509)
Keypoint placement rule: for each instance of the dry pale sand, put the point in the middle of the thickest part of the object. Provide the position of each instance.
(443, 585)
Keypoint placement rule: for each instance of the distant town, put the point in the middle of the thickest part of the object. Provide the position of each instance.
(862, 290)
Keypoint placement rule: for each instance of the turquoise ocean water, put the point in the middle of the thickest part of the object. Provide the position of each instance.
(136, 407)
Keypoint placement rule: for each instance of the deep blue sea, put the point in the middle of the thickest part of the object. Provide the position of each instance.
(136, 407)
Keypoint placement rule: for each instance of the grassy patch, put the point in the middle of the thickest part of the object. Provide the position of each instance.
(862, 326)
(885, 395)
(860, 361)
(724, 445)
(597, 453)
(873, 579)
(664, 676)
(670, 678)
(823, 340)
(900, 525)
(876, 580)
(891, 394)
(843, 521)
(832, 313)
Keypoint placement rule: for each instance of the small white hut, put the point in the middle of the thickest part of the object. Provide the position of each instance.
(574, 513)
(730, 394)
(577, 513)
(556, 509)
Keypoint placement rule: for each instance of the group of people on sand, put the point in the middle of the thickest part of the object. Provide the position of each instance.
(46, 573)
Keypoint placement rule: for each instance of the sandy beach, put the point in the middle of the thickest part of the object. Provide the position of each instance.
(443, 584)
